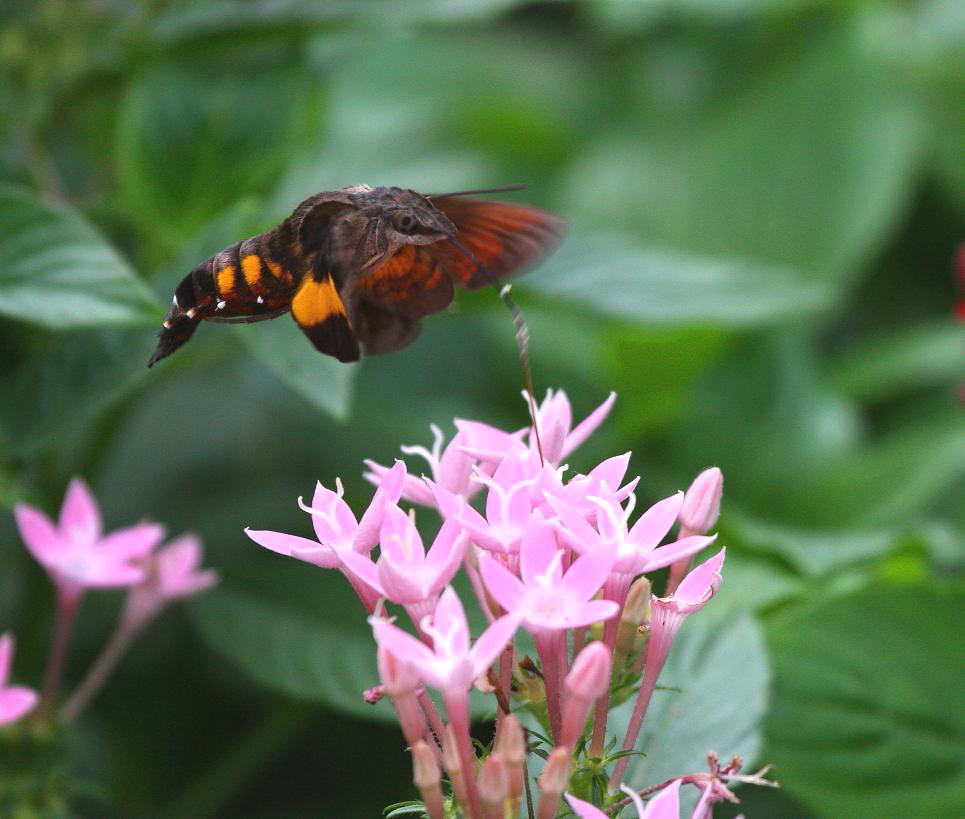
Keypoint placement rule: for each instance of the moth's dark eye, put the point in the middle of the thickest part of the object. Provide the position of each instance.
(404, 222)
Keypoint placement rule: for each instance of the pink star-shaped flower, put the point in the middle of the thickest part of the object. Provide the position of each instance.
(75, 553)
(16, 701)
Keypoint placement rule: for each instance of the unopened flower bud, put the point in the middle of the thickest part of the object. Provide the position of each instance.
(589, 676)
(426, 776)
(511, 746)
(702, 503)
(636, 611)
(553, 780)
(374, 694)
(397, 677)
(493, 783)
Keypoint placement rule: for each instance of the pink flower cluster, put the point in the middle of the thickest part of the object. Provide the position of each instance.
(79, 556)
(558, 555)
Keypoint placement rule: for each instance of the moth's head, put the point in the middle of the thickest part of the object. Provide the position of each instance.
(410, 219)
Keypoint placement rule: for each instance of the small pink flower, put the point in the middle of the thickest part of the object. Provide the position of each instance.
(665, 805)
(405, 573)
(555, 418)
(172, 573)
(75, 553)
(450, 665)
(16, 701)
(544, 596)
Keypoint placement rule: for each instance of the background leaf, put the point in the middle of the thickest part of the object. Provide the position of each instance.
(58, 272)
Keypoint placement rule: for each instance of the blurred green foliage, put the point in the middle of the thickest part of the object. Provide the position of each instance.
(765, 200)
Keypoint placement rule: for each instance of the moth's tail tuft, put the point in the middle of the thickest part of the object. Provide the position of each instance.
(178, 328)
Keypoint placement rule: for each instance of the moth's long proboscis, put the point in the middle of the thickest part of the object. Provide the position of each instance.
(503, 189)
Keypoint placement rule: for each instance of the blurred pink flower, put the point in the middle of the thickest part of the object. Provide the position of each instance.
(172, 573)
(16, 701)
(76, 554)
(451, 664)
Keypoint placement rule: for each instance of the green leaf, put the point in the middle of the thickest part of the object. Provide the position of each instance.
(614, 276)
(322, 380)
(902, 360)
(868, 716)
(193, 139)
(58, 272)
(808, 168)
(295, 628)
(712, 695)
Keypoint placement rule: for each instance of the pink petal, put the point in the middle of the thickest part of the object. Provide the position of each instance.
(450, 619)
(403, 646)
(552, 436)
(588, 573)
(578, 533)
(665, 805)
(399, 539)
(79, 515)
(537, 550)
(492, 641)
(702, 582)
(445, 554)
(16, 702)
(653, 525)
(285, 544)
(664, 556)
(455, 467)
(502, 584)
(337, 525)
(596, 611)
(131, 542)
(584, 809)
(38, 533)
(588, 425)
(362, 567)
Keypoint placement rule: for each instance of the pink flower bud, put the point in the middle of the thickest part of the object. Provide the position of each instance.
(426, 777)
(589, 677)
(493, 783)
(553, 780)
(702, 502)
(510, 744)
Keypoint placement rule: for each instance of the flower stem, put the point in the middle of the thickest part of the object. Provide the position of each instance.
(616, 589)
(457, 708)
(68, 601)
(99, 672)
(547, 646)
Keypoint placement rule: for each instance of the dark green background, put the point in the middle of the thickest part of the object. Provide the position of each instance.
(765, 198)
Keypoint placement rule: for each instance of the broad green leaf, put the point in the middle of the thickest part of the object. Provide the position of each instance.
(193, 139)
(58, 272)
(808, 167)
(322, 380)
(902, 360)
(712, 696)
(615, 276)
(296, 628)
(868, 717)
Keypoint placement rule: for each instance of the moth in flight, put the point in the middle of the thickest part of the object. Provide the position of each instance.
(360, 267)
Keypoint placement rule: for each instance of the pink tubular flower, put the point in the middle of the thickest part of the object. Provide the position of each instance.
(544, 596)
(16, 701)
(338, 531)
(172, 573)
(405, 573)
(75, 553)
(668, 614)
(450, 665)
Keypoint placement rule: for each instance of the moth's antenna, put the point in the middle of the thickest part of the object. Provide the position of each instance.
(503, 189)
(522, 337)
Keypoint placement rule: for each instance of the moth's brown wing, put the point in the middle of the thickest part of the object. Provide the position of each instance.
(505, 238)
(319, 311)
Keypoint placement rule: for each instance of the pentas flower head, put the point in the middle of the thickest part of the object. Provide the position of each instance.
(638, 547)
(336, 527)
(451, 664)
(172, 573)
(76, 553)
(16, 701)
(544, 596)
(405, 573)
